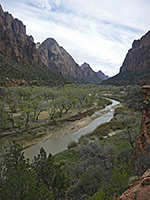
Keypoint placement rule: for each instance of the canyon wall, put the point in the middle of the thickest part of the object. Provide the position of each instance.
(14, 42)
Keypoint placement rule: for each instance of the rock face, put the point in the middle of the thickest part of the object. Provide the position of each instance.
(61, 62)
(14, 43)
(58, 59)
(136, 66)
(144, 138)
(142, 149)
(140, 190)
(87, 71)
(138, 58)
(102, 75)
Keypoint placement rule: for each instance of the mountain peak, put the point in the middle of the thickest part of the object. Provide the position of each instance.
(85, 65)
(49, 42)
(102, 75)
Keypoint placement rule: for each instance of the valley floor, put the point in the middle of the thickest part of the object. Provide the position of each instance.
(59, 131)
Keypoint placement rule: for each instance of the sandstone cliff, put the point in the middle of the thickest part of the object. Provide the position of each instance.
(138, 57)
(61, 62)
(136, 66)
(102, 75)
(87, 70)
(142, 149)
(140, 190)
(58, 59)
(14, 43)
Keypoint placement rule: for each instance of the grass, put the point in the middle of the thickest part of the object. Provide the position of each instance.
(70, 156)
(117, 142)
(103, 102)
(106, 128)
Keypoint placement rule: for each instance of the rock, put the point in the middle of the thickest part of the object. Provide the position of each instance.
(140, 190)
(144, 138)
(102, 75)
(62, 63)
(14, 42)
(142, 148)
(138, 58)
(87, 70)
(136, 66)
(58, 59)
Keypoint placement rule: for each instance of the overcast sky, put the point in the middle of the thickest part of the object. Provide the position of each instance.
(99, 32)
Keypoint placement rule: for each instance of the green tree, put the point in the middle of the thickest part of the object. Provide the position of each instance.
(17, 181)
(50, 174)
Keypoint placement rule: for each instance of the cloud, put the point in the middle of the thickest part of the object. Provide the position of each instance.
(96, 31)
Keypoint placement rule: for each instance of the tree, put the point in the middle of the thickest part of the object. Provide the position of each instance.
(50, 174)
(17, 181)
(41, 179)
(11, 104)
(52, 108)
(3, 118)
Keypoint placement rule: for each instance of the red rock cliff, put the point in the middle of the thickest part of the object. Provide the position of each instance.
(143, 140)
(140, 190)
(138, 57)
(14, 43)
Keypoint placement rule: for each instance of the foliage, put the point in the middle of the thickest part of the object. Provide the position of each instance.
(39, 75)
(41, 179)
(21, 107)
(100, 168)
(107, 127)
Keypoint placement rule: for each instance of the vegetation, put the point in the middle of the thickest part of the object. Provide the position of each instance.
(25, 109)
(132, 77)
(100, 166)
(39, 179)
(103, 168)
(35, 75)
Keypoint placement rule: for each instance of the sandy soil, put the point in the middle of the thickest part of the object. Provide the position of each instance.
(112, 133)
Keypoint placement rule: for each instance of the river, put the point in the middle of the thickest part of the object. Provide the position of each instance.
(60, 144)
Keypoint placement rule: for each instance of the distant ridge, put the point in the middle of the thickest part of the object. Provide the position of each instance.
(102, 75)
(62, 63)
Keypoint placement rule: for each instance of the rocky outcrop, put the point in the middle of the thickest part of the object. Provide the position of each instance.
(140, 190)
(143, 140)
(14, 43)
(142, 149)
(102, 76)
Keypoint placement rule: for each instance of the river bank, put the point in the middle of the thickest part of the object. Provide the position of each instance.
(66, 128)
(67, 133)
